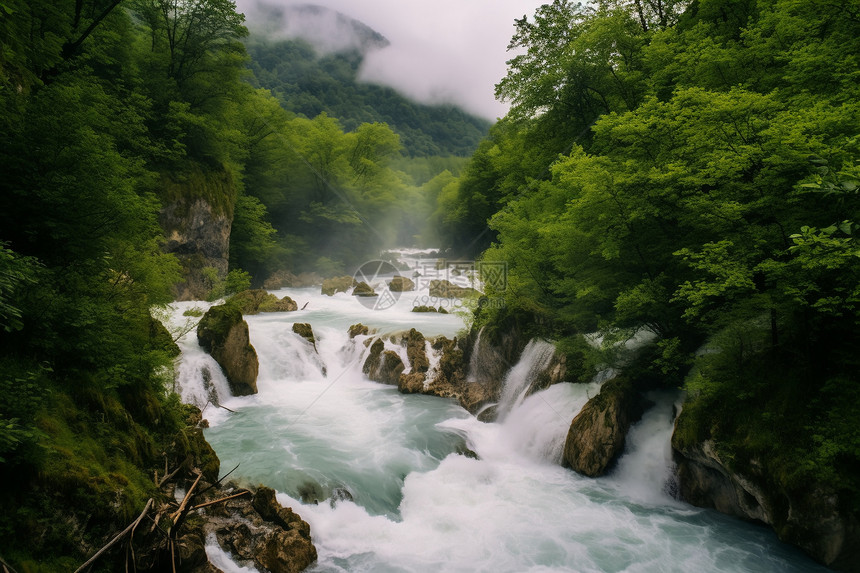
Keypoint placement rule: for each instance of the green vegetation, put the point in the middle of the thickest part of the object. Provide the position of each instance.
(692, 171)
(308, 84)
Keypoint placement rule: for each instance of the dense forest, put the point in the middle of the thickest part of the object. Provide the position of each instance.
(690, 169)
(113, 114)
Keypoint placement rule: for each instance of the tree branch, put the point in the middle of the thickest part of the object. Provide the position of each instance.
(116, 538)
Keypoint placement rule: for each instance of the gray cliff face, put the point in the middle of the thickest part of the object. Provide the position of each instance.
(199, 235)
(811, 517)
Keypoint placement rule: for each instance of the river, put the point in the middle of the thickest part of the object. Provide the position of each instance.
(389, 482)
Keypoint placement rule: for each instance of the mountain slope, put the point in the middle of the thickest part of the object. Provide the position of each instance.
(310, 74)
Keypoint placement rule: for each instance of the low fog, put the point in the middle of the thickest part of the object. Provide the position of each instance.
(440, 51)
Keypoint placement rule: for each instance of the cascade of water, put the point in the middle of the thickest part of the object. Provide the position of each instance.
(511, 509)
(537, 426)
(199, 380)
(535, 359)
(646, 469)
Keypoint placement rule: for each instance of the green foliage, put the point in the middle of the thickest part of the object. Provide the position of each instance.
(309, 84)
(694, 174)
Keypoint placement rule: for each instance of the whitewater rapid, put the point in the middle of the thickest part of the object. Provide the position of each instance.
(393, 482)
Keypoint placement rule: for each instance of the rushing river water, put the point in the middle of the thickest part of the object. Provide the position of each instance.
(384, 483)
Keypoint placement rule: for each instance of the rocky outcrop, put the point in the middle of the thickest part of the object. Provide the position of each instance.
(401, 284)
(384, 366)
(555, 373)
(447, 289)
(256, 528)
(810, 517)
(337, 284)
(258, 300)
(305, 330)
(422, 308)
(358, 330)
(196, 218)
(597, 434)
(448, 380)
(363, 289)
(416, 351)
(224, 335)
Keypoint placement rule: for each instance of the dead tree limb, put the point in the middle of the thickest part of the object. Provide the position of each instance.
(213, 502)
(116, 538)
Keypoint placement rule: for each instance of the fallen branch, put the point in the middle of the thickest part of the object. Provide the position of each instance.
(170, 475)
(116, 538)
(175, 515)
(226, 408)
(208, 503)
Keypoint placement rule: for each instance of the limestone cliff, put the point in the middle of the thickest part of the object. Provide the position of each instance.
(810, 517)
(197, 216)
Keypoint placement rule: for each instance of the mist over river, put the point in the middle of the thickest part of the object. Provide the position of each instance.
(390, 482)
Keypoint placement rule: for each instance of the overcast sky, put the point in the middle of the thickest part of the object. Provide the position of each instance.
(441, 50)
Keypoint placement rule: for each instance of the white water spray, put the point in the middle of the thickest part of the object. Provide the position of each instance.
(416, 504)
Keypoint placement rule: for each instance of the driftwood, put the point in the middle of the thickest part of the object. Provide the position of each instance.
(179, 513)
(169, 476)
(116, 538)
(213, 502)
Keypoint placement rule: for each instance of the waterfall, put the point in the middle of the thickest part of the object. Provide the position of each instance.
(537, 426)
(199, 380)
(388, 468)
(535, 359)
(646, 471)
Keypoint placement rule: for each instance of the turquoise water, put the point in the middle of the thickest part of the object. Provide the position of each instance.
(382, 479)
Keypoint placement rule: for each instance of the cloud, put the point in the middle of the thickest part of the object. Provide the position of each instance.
(441, 51)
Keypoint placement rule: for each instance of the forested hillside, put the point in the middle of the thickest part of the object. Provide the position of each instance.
(308, 83)
(691, 168)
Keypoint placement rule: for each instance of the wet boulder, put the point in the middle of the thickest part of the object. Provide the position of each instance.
(337, 284)
(363, 289)
(224, 334)
(305, 330)
(401, 284)
(358, 330)
(597, 434)
(384, 366)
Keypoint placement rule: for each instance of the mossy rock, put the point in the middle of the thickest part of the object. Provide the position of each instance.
(358, 329)
(422, 308)
(363, 289)
(161, 339)
(254, 301)
(337, 284)
(401, 284)
(224, 334)
(447, 289)
(304, 330)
